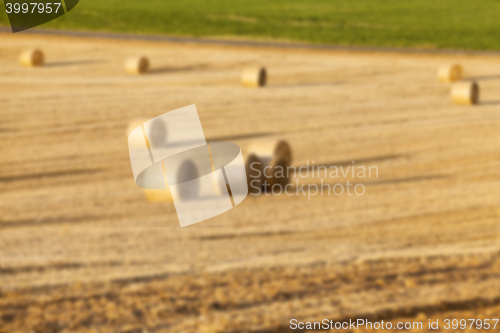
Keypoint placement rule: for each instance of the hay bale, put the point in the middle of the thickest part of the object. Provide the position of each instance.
(136, 141)
(465, 93)
(134, 123)
(254, 77)
(31, 58)
(158, 195)
(184, 172)
(235, 188)
(188, 172)
(253, 168)
(139, 65)
(275, 156)
(157, 134)
(152, 195)
(450, 73)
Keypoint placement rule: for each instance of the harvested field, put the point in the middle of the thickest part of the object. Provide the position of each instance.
(81, 250)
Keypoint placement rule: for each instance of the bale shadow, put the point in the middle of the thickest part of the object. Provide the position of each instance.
(168, 69)
(490, 103)
(242, 136)
(484, 77)
(358, 161)
(305, 84)
(72, 63)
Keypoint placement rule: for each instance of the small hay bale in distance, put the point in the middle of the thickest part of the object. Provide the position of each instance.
(465, 93)
(32, 58)
(450, 73)
(254, 77)
(137, 65)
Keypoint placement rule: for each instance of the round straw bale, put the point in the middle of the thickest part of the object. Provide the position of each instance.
(271, 149)
(275, 156)
(466, 93)
(254, 77)
(132, 125)
(139, 65)
(253, 168)
(31, 58)
(158, 195)
(450, 73)
(188, 172)
(157, 134)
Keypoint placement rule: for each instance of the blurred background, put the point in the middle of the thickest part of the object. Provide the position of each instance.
(349, 83)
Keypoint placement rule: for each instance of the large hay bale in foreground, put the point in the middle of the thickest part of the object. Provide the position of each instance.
(152, 195)
(158, 195)
(31, 58)
(465, 93)
(254, 77)
(157, 133)
(274, 155)
(253, 169)
(138, 65)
